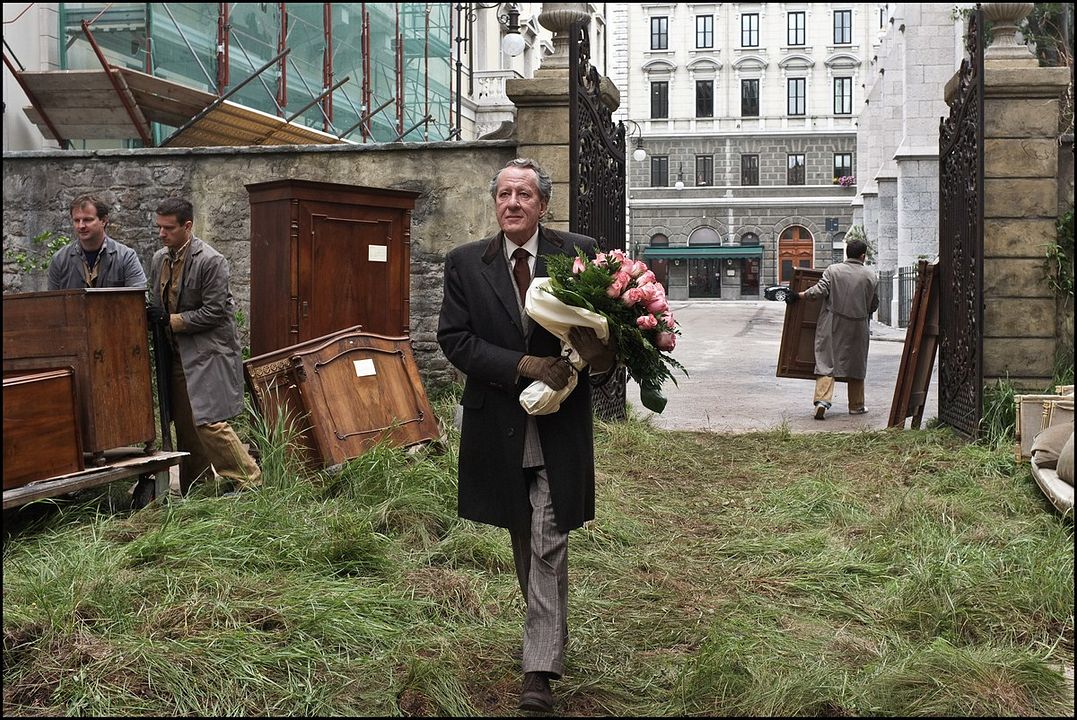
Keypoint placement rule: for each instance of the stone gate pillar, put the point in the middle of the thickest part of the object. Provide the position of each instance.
(1021, 131)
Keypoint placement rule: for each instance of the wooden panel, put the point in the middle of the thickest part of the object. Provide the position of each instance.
(102, 334)
(366, 242)
(361, 389)
(41, 429)
(918, 353)
(796, 356)
(275, 391)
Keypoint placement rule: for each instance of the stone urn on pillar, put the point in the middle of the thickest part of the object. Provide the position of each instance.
(559, 18)
(1003, 46)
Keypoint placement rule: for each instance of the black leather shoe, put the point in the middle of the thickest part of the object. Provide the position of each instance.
(536, 695)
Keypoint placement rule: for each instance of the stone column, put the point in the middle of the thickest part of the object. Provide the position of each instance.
(542, 110)
(1021, 111)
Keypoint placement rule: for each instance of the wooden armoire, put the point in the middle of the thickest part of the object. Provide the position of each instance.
(325, 257)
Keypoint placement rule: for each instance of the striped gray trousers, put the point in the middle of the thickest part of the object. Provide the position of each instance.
(541, 559)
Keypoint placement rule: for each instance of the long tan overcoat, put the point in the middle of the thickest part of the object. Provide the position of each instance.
(850, 295)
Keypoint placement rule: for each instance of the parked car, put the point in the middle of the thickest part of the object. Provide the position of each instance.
(776, 292)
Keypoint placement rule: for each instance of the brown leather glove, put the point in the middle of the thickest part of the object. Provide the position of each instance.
(593, 351)
(554, 371)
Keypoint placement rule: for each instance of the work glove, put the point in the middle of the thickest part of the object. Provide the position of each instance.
(594, 352)
(791, 297)
(554, 371)
(156, 315)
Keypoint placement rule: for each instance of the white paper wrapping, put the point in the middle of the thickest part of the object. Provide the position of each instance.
(538, 398)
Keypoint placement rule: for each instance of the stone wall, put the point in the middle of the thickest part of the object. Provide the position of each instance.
(454, 205)
(1021, 205)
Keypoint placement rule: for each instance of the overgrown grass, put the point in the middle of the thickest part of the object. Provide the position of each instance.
(889, 573)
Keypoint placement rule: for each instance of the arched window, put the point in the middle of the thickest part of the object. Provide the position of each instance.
(749, 238)
(659, 240)
(704, 236)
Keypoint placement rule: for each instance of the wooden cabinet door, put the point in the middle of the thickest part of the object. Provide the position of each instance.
(796, 357)
(352, 263)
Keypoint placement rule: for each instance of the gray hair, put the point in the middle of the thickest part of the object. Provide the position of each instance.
(542, 179)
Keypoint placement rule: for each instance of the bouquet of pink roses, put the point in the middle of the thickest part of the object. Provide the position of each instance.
(626, 293)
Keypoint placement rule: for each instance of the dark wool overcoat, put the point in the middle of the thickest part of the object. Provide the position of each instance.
(482, 334)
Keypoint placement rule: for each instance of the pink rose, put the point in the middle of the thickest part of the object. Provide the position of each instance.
(649, 291)
(636, 269)
(646, 322)
(617, 255)
(578, 266)
(624, 278)
(646, 277)
(616, 287)
(658, 305)
(666, 341)
(631, 296)
(667, 318)
(600, 260)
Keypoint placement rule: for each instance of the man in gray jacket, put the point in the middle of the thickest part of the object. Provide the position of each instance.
(93, 259)
(850, 294)
(189, 295)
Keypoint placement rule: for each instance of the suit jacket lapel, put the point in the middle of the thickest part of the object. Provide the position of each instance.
(496, 273)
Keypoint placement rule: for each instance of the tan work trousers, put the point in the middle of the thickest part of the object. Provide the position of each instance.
(213, 443)
(824, 392)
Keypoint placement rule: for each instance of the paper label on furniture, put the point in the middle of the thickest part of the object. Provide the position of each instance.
(377, 253)
(364, 368)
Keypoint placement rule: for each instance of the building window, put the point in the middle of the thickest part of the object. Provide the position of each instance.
(660, 240)
(704, 98)
(749, 238)
(843, 96)
(749, 169)
(843, 165)
(749, 98)
(795, 173)
(797, 89)
(795, 34)
(704, 31)
(843, 27)
(659, 171)
(704, 170)
(659, 33)
(749, 30)
(660, 99)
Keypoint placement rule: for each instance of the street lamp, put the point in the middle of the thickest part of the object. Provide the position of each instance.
(640, 153)
(509, 17)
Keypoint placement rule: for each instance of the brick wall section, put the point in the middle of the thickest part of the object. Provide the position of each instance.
(454, 206)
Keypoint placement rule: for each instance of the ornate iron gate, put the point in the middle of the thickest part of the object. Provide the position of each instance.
(961, 226)
(596, 181)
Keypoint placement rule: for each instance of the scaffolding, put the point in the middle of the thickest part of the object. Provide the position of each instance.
(358, 72)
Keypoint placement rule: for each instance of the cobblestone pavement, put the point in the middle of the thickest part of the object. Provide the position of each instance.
(730, 349)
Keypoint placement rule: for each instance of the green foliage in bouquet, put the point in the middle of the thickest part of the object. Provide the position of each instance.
(637, 348)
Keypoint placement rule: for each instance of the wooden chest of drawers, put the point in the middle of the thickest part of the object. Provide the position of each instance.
(102, 335)
(41, 427)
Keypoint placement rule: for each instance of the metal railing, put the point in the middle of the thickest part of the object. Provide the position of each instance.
(906, 290)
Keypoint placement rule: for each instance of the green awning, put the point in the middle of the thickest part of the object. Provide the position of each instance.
(688, 251)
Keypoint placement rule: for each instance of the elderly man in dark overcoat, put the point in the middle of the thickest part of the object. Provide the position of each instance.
(533, 475)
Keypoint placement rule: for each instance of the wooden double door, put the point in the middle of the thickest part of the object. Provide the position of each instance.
(325, 257)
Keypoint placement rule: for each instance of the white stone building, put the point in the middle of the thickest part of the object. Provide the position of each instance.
(747, 113)
(898, 135)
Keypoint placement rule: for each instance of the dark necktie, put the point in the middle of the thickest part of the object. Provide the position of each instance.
(520, 271)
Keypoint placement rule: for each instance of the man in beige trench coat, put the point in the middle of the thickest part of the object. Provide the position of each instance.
(850, 294)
